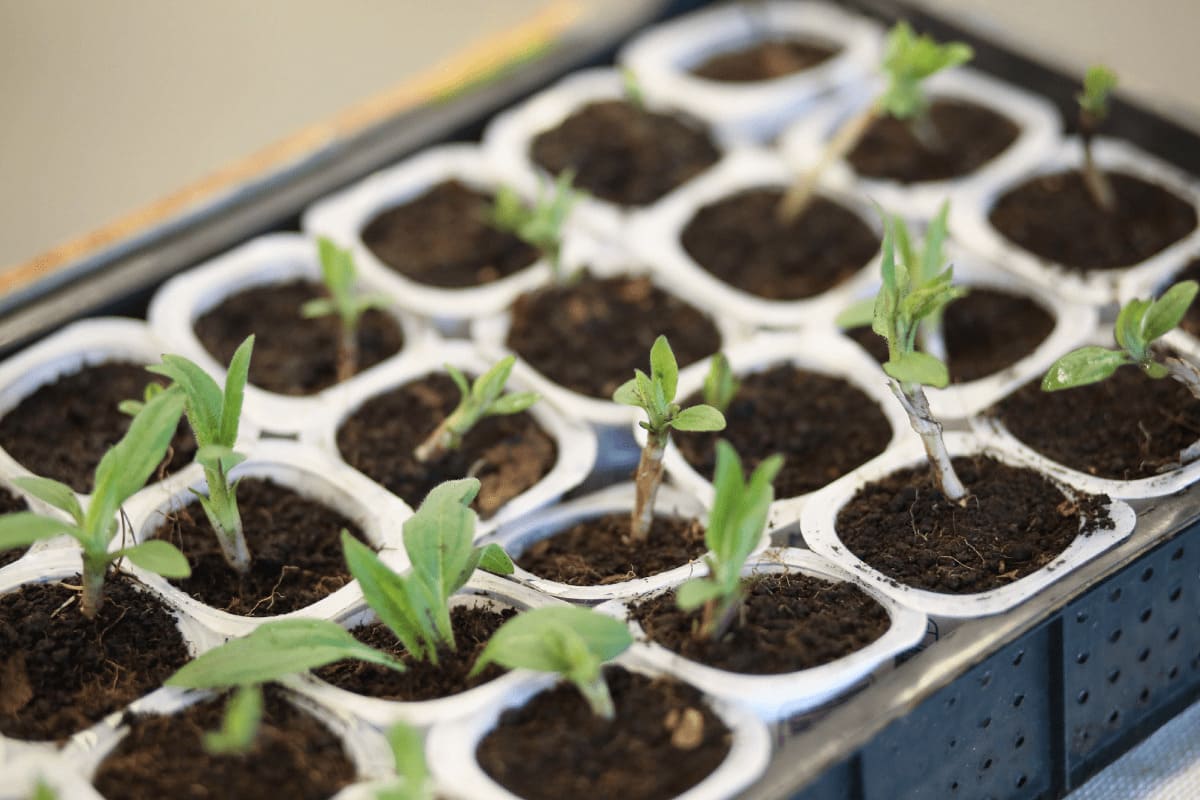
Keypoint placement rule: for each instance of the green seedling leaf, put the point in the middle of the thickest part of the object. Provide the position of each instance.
(631, 87)
(856, 315)
(25, 527)
(408, 753)
(908, 60)
(1168, 311)
(1098, 83)
(53, 493)
(698, 418)
(239, 728)
(664, 370)
(493, 559)
(539, 225)
(218, 457)
(919, 368)
(132, 407)
(479, 400)
(1083, 366)
(720, 384)
(158, 556)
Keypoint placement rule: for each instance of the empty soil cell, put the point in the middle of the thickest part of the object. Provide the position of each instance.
(295, 756)
(444, 238)
(787, 622)
(1013, 523)
(663, 740)
(823, 426)
(590, 336)
(508, 454)
(295, 547)
(65, 427)
(740, 240)
(1190, 272)
(762, 61)
(1127, 427)
(9, 504)
(61, 672)
(625, 154)
(292, 355)
(1054, 217)
(599, 551)
(959, 138)
(422, 680)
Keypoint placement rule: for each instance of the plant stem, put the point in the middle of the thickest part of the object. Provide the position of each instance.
(718, 617)
(347, 354)
(437, 444)
(94, 569)
(926, 132)
(597, 695)
(800, 193)
(1097, 183)
(1185, 372)
(222, 512)
(647, 479)
(916, 405)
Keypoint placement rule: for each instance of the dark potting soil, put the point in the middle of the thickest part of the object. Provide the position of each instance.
(1126, 427)
(508, 454)
(61, 672)
(740, 240)
(989, 330)
(294, 544)
(590, 336)
(625, 154)
(295, 756)
(292, 355)
(663, 740)
(967, 137)
(823, 426)
(762, 61)
(869, 340)
(1014, 523)
(1053, 216)
(598, 551)
(63, 429)
(1191, 272)
(423, 680)
(787, 622)
(444, 238)
(9, 504)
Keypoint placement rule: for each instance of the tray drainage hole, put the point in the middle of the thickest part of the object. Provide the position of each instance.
(986, 679)
(1115, 636)
(951, 701)
(1178, 554)
(1144, 696)
(986, 722)
(1172, 673)
(1114, 595)
(1147, 574)
(954, 786)
(1082, 658)
(1142, 656)
(1021, 781)
(1113, 717)
(1173, 634)
(987, 764)
(1020, 656)
(1082, 697)
(1175, 594)
(1019, 743)
(1114, 676)
(1146, 614)
(1080, 616)
(953, 743)
(1020, 699)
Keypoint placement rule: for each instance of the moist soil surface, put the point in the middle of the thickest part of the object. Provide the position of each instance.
(589, 337)
(61, 672)
(77, 414)
(444, 238)
(1014, 523)
(292, 355)
(963, 137)
(597, 551)
(1191, 272)
(294, 543)
(762, 61)
(9, 504)
(662, 741)
(1053, 216)
(508, 454)
(295, 756)
(740, 240)
(1126, 427)
(625, 154)
(823, 426)
(787, 622)
(423, 680)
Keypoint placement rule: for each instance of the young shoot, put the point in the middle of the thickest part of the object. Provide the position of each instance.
(1098, 84)
(214, 415)
(908, 60)
(570, 641)
(720, 384)
(122, 471)
(340, 279)
(539, 225)
(735, 527)
(439, 541)
(631, 88)
(483, 398)
(902, 304)
(408, 755)
(134, 407)
(655, 394)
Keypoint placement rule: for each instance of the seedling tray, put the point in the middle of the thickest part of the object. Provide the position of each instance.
(1026, 704)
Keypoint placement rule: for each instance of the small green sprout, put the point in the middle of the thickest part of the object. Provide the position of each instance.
(439, 542)
(735, 526)
(133, 407)
(340, 279)
(655, 394)
(122, 471)
(720, 384)
(541, 224)
(908, 60)
(408, 754)
(571, 641)
(214, 415)
(1098, 84)
(43, 791)
(483, 398)
(631, 87)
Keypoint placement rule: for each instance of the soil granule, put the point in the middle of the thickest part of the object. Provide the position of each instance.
(292, 355)
(508, 454)
(664, 740)
(762, 61)
(590, 336)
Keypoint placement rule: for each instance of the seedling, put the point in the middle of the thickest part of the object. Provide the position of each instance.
(655, 394)
(133, 407)
(735, 526)
(483, 398)
(631, 87)
(908, 60)
(340, 279)
(214, 416)
(539, 225)
(122, 471)
(408, 754)
(903, 302)
(720, 384)
(571, 641)
(1098, 84)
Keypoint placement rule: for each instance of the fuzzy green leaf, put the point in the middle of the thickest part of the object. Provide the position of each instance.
(1083, 366)
(856, 315)
(158, 556)
(697, 592)
(1098, 83)
(627, 394)
(54, 493)
(1128, 328)
(408, 755)
(23, 528)
(908, 60)
(720, 384)
(317, 308)
(235, 390)
(218, 457)
(385, 593)
(513, 403)
(203, 395)
(920, 368)
(536, 640)
(239, 726)
(493, 559)
(1168, 310)
(932, 257)
(698, 418)
(664, 369)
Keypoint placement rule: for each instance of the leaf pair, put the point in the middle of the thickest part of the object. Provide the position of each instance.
(1098, 84)
(477, 401)
(655, 394)
(908, 60)
(540, 224)
(340, 277)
